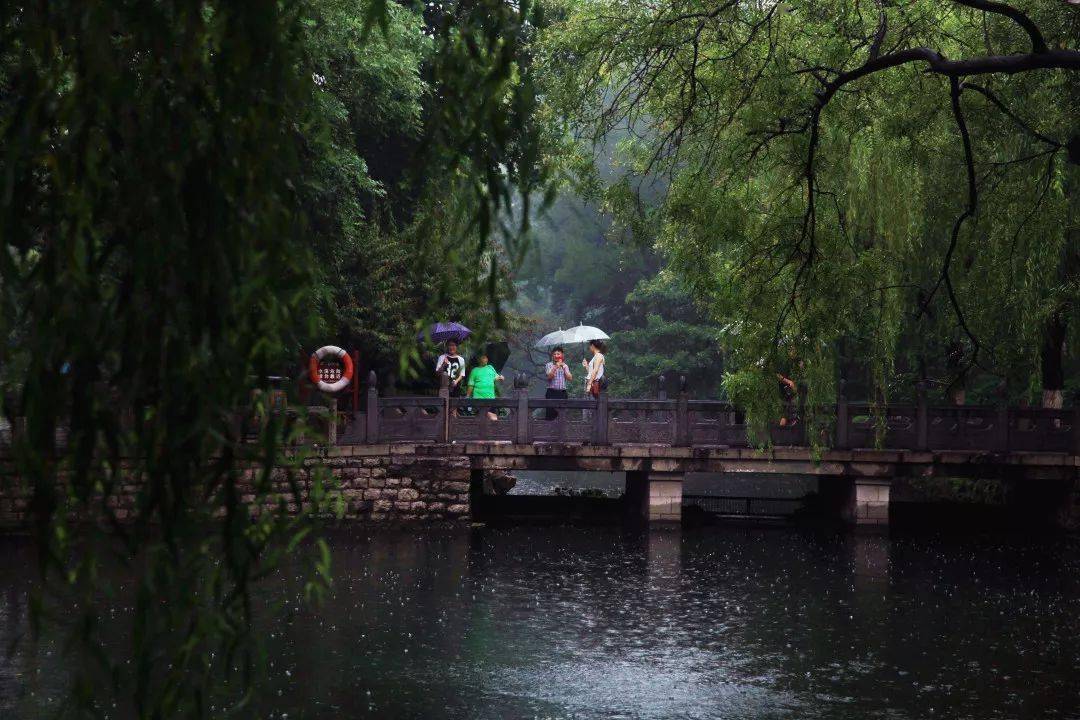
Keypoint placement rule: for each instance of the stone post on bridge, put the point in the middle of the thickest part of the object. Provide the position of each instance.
(444, 404)
(840, 437)
(922, 417)
(521, 391)
(600, 419)
(1076, 427)
(683, 436)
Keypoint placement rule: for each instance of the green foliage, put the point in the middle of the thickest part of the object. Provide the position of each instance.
(757, 395)
(720, 100)
(592, 262)
(432, 128)
(153, 265)
(369, 93)
(190, 193)
(484, 71)
(669, 339)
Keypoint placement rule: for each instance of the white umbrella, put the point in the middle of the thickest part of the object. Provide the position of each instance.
(583, 334)
(551, 340)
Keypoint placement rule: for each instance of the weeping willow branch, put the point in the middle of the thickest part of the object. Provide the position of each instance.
(955, 89)
(1038, 43)
(1041, 57)
(993, 98)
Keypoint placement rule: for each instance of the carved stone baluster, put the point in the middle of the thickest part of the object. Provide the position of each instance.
(444, 408)
(483, 422)
(841, 418)
(800, 432)
(682, 415)
(600, 419)
(922, 441)
(1001, 422)
(1076, 426)
(521, 388)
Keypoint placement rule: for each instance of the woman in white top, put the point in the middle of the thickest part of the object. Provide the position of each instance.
(595, 380)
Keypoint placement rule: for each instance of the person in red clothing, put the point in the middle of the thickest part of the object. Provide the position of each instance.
(558, 375)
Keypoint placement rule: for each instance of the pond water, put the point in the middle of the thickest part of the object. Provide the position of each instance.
(566, 622)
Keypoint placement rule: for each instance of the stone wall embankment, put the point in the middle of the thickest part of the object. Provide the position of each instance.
(377, 484)
(400, 487)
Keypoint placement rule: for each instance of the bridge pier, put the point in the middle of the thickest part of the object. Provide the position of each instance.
(655, 497)
(862, 502)
(870, 503)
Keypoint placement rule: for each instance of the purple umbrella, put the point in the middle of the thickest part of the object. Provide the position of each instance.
(443, 331)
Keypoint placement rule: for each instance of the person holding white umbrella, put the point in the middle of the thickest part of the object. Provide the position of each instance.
(595, 380)
(581, 334)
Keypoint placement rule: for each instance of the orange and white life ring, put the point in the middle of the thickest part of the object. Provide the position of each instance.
(346, 370)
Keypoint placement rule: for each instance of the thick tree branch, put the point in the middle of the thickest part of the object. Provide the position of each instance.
(879, 36)
(972, 205)
(1038, 43)
(940, 65)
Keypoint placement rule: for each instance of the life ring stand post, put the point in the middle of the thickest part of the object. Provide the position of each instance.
(356, 381)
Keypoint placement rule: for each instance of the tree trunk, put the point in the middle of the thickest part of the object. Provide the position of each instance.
(1053, 360)
(1053, 349)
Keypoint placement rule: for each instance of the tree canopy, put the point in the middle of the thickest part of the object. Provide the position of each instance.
(190, 192)
(889, 181)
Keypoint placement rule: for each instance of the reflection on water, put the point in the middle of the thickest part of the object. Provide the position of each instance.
(544, 482)
(593, 622)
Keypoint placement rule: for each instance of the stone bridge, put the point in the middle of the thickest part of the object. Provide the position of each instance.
(856, 456)
(426, 458)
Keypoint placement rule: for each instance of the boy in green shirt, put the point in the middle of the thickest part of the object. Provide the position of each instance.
(482, 382)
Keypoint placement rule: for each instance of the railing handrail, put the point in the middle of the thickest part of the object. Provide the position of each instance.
(483, 402)
(523, 419)
(409, 401)
(628, 404)
(722, 404)
(569, 403)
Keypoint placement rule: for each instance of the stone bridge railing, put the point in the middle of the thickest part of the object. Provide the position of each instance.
(685, 422)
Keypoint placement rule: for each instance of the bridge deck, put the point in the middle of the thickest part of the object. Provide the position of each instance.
(857, 463)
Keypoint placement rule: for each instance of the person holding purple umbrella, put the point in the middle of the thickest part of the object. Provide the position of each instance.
(453, 366)
(444, 331)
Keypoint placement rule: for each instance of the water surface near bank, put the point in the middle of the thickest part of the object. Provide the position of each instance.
(566, 622)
